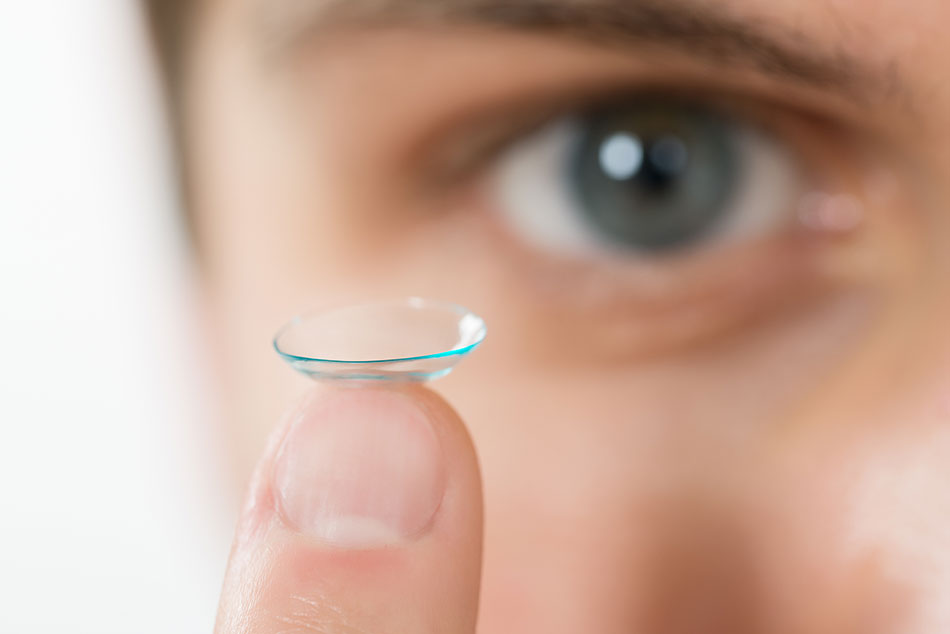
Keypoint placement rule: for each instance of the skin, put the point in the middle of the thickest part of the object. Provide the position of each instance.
(770, 459)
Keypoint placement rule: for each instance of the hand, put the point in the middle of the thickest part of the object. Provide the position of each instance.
(364, 515)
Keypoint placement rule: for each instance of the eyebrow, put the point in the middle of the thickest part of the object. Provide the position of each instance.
(707, 31)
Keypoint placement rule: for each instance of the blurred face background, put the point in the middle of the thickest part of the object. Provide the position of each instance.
(710, 240)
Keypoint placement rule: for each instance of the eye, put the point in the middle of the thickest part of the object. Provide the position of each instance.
(645, 179)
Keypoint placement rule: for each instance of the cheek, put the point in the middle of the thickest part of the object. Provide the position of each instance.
(866, 516)
(840, 527)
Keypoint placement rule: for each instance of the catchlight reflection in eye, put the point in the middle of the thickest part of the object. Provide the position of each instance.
(621, 156)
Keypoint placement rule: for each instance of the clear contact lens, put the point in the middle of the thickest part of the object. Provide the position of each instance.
(404, 340)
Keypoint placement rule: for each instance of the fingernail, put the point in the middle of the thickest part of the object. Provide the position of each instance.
(360, 468)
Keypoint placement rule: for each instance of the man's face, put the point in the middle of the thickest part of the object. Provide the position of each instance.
(711, 241)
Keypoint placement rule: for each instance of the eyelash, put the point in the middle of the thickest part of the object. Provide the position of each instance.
(502, 125)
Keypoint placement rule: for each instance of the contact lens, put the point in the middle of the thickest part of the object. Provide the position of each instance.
(407, 340)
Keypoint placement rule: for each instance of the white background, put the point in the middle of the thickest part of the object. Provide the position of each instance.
(112, 517)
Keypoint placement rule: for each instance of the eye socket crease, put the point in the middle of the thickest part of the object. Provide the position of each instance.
(711, 33)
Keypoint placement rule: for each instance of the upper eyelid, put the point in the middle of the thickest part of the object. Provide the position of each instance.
(505, 124)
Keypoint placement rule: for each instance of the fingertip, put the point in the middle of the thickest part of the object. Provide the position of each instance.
(367, 496)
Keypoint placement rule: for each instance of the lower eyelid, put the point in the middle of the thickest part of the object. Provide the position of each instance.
(618, 308)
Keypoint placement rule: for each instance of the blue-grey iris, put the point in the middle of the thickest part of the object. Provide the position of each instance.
(655, 177)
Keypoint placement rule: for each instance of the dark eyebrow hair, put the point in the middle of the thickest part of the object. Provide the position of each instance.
(704, 30)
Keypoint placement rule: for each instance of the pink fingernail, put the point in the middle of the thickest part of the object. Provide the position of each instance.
(360, 468)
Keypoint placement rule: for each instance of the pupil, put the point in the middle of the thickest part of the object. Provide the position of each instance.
(669, 156)
(667, 161)
(655, 177)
